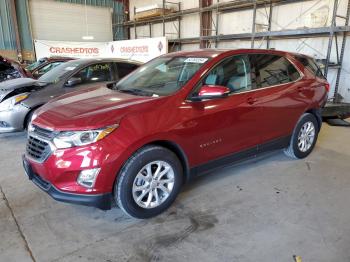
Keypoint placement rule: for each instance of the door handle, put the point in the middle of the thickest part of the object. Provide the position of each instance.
(251, 100)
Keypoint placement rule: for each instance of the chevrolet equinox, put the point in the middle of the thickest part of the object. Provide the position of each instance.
(182, 114)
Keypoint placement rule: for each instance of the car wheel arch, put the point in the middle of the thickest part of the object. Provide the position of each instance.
(179, 152)
(317, 114)
(26, 119)
(170, 145)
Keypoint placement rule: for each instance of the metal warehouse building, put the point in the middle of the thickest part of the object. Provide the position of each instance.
(316, 28)
(24, 21)
(175, 130)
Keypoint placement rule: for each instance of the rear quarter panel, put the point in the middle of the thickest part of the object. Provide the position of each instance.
(316, 86)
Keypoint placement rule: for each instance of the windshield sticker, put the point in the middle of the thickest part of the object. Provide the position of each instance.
(70, 68)
(197, 60)
(99, 67)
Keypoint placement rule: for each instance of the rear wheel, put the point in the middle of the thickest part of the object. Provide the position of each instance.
(304, 137)
(149, 182)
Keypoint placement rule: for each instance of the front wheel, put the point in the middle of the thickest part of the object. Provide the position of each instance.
(149, 182)
(304, 137)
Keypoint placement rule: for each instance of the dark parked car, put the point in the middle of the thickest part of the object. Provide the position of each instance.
(20, 97)
(175, 117)
(45, 64)
(10, 69)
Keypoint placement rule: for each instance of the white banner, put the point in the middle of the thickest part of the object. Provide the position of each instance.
(141, 50)
(44, 48)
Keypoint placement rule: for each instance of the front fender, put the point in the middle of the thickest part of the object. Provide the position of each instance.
(125, 150)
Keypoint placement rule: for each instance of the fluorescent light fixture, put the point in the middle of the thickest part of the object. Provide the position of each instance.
(87, 37)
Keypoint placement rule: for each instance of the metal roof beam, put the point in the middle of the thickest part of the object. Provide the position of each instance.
(305, 32)
(220, 7)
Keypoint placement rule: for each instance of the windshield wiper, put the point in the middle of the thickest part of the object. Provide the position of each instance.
(135, 91)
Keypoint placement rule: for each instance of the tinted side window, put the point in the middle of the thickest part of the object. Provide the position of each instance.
(233, 72)
(274, 70)
(310, 65)
(95, 73)
(125, 68)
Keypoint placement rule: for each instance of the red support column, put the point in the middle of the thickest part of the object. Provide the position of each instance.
(205, 22)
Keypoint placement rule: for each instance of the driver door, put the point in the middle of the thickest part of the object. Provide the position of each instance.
(223, 126)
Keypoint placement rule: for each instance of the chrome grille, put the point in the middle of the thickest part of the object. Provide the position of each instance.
(42, 132)
(38, 145)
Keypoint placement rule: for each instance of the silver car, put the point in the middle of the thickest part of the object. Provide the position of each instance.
(19, 98)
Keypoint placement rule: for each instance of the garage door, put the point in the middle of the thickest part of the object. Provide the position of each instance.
(53, 20)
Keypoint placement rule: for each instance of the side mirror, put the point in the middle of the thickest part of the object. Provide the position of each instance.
(73, 81)
(211, 92)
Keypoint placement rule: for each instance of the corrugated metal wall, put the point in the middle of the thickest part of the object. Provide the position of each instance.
(23, 24)
(7, 33)
(75, 21)
(8, 46)
(118, 13)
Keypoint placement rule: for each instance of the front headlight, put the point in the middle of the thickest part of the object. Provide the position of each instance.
(9, 103)
(81, 138)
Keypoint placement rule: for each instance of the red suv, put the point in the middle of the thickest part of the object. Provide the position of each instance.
(175, 117)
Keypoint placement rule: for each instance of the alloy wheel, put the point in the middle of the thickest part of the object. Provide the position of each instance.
(306, 136)
(153, 184)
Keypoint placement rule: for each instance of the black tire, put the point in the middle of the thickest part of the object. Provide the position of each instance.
(126, 177)
(293, 149)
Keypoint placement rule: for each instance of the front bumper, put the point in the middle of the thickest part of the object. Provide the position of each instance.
(13, 120)
(102, 201)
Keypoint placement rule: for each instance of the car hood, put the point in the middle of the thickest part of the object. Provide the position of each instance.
(13, 84)
(89, 109)
(17, 86)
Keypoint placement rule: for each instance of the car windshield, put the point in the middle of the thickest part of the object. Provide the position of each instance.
(162, 76)
(57, 73)
(34, 65)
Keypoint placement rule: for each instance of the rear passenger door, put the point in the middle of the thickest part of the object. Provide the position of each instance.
(279, 95)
